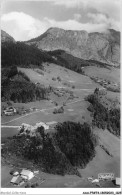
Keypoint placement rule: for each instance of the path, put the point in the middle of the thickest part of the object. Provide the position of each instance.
(9, 126)
(39, 111)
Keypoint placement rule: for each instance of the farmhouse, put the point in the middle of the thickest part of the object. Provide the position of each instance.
(31, 129)
(27, 174)
(117, 181)
(10, 111)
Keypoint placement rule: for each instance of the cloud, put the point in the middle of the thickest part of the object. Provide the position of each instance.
(109, 7)
(22, 26)
(104, 19)
(76, 25)
(77, 17)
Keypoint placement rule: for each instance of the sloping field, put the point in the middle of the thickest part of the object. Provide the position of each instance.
(68, 77)
(103, 163)
(112, 74)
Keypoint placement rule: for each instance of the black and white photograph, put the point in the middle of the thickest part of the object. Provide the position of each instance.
(60, 95)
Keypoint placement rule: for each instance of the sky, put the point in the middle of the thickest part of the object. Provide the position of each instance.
(24, 20)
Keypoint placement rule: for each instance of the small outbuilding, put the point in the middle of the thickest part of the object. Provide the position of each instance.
(16, 173)
(27, 174)
(16, 180)
(117, 181)
(95, 181)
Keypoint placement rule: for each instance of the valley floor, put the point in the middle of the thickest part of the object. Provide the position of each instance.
(74, 110)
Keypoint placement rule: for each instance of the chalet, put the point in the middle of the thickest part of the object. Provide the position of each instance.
(26, 174)
(10, 111)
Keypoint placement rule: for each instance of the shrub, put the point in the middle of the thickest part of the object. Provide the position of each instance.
(59, 79)
(58, 110)
(28, 185)
(54, 79)
(9, 103)
(83, 117)
(12, 172)
(34, 185)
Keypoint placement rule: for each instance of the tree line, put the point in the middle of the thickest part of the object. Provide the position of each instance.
(17, 87)
(102, 116)
(21, 54)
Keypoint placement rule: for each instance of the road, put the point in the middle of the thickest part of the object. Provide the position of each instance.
(42, 110)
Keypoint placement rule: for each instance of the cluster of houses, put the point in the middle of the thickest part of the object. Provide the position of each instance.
(116, 180)
(19, 178)
(10, 111)
(26, 128)
(103, 82)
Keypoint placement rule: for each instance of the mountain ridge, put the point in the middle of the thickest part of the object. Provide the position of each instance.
(103, 47)
(5, 37)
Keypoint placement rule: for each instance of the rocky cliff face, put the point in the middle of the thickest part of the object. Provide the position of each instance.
(104, 47)
(5, 37)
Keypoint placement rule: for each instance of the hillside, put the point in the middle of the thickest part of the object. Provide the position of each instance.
(68, 92)
(16, 86)
(21, 54)
(104, 47)
(5, 37)
(50, 153)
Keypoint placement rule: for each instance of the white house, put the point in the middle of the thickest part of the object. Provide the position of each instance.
(10, 111)
(117, 181)
(95, 181)
(16, 173)
(14, 179)
(27, 174)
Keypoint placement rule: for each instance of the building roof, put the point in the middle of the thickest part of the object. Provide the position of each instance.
(14, 179)
(19, 179)
(26, 172)
(15, 173)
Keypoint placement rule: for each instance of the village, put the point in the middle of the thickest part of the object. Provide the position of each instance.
(111, 86)
(35, 178)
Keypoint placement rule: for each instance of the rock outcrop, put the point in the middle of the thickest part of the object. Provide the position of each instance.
(5, 37)
(104, 47)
